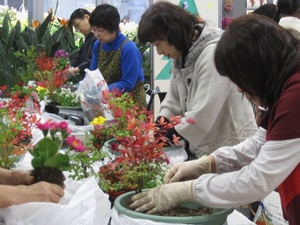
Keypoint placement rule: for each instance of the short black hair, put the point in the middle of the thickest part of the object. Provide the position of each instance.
(269, 10)
(288, 7)
(105, 16)
(78, 14)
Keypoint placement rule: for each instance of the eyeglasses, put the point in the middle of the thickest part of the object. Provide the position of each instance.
(77, 26)
(97, 31)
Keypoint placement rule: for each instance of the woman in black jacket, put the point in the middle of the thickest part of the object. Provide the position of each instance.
(80, 21)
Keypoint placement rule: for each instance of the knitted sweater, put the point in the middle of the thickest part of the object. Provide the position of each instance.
(223, 116)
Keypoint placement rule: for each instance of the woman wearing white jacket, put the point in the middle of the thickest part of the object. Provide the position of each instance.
(263, 60)
(222, 116)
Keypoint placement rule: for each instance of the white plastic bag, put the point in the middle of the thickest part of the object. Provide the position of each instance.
(90, 92)
(84, 203)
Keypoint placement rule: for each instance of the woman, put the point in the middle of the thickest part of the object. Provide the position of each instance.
(80, 21)
(117, 58)
(290, 14)
(196, 89)
(263, 60)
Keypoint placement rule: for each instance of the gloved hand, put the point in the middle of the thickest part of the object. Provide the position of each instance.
(188, 170)
(70, 73)
(163, 197)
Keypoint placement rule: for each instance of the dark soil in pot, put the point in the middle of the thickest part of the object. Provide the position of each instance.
(51, 175)
(180, 211)
(184, 211)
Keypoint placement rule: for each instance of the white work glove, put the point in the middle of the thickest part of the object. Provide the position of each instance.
(188, 170)
(70, 73)
(163, 197)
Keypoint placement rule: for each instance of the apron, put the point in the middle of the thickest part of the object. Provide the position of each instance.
(109, 65)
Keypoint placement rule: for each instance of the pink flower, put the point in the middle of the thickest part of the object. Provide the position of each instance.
(75, 144)
(226, 21)
(43, 126)
(63, 125)
(54, 126)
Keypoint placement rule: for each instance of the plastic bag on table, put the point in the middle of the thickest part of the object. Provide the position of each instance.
(90, 92)
(84, 203)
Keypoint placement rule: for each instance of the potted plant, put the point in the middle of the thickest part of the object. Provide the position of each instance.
(49, 159)
(187, 213)
(136, 141)
(18, 115)
(49, 72)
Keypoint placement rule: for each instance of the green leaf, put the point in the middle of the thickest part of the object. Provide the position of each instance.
(51, 162)
(5, 28)
(36, 162)
(46, 148)
(44, 27)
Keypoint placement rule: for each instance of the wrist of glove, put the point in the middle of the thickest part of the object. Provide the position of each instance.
(189, 170)
(163, 197)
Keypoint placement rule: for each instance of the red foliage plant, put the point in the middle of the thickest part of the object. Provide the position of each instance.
(50, 70)
(141, 162)
(18, 115)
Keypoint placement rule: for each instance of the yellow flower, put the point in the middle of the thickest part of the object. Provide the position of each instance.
(98, 120)
(39, 89)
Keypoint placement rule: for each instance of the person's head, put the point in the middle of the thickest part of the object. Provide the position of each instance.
(269, 10)
(169, 27)
(105, 20)
(258, 55)
(79, 19)
(125, 19)
(288, 7)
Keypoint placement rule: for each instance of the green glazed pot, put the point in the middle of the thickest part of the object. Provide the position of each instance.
(218, 217)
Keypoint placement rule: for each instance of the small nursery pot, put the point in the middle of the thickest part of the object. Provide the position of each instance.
(218, 217)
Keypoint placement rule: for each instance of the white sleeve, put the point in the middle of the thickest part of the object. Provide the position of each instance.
(275, 161)
(235, 157)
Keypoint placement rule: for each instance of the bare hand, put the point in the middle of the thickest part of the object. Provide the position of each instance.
(19, 177)
(39, 192)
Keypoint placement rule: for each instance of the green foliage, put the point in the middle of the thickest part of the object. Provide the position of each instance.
(46, 154)
(48, 37)
(26, 72)
(65, 96)
(82, 163)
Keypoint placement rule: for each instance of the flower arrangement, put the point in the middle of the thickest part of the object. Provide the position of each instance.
(49, 160)
(141, 162)
(50, 70)
(18, 115)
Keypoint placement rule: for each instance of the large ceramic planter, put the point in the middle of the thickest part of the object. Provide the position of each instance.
(174, 153)
(218, 217)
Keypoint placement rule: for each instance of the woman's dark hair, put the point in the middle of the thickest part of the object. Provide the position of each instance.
(269, 10)
(105, 16)
(78, 14)
(288, 7)
(258, 55)
(166, 21)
